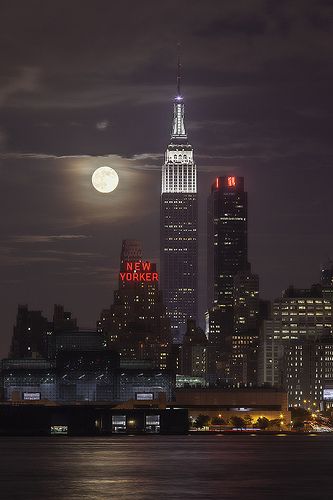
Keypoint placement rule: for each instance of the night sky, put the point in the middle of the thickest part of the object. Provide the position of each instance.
(90, 83)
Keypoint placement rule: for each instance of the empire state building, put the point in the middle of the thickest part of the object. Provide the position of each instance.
(179, 225)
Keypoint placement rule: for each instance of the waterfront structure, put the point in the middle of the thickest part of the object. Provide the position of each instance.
(226, 403)
(299, 315)
(90, 419)
(28, 379)
(79, 376)
(179, 225)
(136, 324)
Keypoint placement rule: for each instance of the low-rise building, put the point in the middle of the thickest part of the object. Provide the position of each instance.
(225, 403)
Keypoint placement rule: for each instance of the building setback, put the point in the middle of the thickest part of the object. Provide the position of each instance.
(179, 225)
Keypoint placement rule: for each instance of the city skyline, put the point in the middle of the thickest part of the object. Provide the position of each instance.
(246, 116)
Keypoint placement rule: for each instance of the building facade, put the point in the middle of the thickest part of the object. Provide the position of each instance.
(227, 254)
(179, 226)
(309, 371)
(136, 324)
(33, 333)
(299, 315)
(226, 239)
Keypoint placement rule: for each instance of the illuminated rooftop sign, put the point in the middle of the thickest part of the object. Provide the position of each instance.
(231, 181)
(138, 271)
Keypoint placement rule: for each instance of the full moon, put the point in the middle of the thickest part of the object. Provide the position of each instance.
(105, 179)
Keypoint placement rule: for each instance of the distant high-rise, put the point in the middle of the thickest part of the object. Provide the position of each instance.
(33, 333)
(179, 225)
(298, 315)
(193, 351)
(136, 324)
(29, 334)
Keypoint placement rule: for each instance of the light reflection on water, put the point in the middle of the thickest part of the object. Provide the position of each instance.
(166, 467)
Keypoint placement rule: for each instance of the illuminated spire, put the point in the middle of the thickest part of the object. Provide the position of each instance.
(178, 71)
(178, 126)
(179, 173)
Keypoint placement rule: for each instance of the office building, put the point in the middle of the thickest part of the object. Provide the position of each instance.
(76, 340)
(29, 334)
(245, 337)
(179, 225)
(193, 352)
(300, 314)
(226, 254)
(136, 324)
(309, 372)
(33, 333)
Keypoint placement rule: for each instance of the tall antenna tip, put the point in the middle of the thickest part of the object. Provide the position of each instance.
(178, 69)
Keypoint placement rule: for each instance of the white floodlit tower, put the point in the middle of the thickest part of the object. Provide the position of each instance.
(179, 224)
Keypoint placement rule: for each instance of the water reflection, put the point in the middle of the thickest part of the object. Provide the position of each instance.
(151, 467)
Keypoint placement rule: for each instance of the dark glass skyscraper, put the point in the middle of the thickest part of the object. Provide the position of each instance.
(178, 223)
(227, 239)
(226, 255)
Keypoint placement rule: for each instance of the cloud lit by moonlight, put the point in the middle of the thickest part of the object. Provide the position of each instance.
(105, 179)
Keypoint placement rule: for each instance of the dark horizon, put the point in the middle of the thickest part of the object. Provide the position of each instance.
(85, 85)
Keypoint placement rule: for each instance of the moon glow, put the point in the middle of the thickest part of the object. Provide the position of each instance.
(105, 179)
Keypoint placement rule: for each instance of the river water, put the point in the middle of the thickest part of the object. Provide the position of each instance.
(167, 467)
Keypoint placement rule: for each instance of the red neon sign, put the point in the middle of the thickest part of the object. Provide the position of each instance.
(231, 181)
(138, 271)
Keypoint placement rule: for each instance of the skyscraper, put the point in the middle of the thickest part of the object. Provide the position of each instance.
(136, 324)
(226, 253)
(230, 283)
(227, 239)
(179, 225)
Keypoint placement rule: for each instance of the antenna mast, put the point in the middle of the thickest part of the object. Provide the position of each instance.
(178, 70)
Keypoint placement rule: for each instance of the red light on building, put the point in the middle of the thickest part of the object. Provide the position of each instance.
(231, 181)
(138, 271)
(217, 182)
